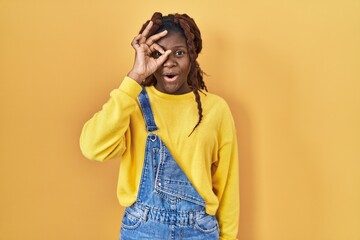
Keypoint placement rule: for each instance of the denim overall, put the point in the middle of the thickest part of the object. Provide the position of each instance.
(167, 206)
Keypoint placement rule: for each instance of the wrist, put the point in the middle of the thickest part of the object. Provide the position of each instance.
(138, 78)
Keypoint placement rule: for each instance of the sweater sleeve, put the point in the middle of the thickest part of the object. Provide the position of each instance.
(103, 136)
(226, 180)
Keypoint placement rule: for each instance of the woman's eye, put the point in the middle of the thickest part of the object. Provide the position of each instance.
(156, 54)
(179, 53)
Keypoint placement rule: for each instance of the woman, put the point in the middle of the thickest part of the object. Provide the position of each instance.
(179, 169)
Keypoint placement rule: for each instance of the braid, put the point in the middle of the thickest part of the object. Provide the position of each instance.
(187, 26)
(194, 43)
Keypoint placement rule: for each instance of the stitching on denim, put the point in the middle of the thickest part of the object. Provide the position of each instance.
(132, 218)
(176, 182)
(181, 195)
(206, 230)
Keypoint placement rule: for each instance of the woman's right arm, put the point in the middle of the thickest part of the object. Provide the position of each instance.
(103, 136)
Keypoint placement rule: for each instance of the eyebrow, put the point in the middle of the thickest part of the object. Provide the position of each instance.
(178, 46)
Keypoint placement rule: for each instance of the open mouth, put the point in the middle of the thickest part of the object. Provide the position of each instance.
(170, 77)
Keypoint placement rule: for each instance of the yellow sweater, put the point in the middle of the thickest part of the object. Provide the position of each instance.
(208, 157)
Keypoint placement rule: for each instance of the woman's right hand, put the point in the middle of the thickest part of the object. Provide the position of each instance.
(145, 63)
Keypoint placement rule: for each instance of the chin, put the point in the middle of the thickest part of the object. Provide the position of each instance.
(170, 90)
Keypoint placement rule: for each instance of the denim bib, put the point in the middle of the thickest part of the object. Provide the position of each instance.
(167, 205)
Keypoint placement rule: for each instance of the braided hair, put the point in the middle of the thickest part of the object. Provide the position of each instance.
(182, 23)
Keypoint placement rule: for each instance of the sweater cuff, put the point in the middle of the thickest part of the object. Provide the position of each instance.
(130, 87)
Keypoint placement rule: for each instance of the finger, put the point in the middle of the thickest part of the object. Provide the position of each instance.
(163, 57)
(142, 36)
(147, 29)
(135, 41)
(156, 37)
(155, 47)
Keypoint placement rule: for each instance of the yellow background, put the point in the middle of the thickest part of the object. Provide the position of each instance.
(290, 71)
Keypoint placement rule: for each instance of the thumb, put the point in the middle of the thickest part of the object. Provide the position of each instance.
(163, 57)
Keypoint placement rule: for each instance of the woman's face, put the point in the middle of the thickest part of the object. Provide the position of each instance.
(172, 75)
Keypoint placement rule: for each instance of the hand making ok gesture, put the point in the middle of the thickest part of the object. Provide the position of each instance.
(145, 62)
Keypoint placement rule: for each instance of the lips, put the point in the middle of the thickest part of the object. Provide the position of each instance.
(170, 77)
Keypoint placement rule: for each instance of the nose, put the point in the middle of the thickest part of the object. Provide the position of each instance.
(170, 61)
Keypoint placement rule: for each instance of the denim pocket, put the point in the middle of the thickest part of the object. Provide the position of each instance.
(172, 183)
(206, 224)
(131, 219)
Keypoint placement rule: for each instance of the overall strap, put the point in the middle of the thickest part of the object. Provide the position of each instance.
(146, 110)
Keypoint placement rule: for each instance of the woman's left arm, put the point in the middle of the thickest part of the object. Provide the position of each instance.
(226, 180)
